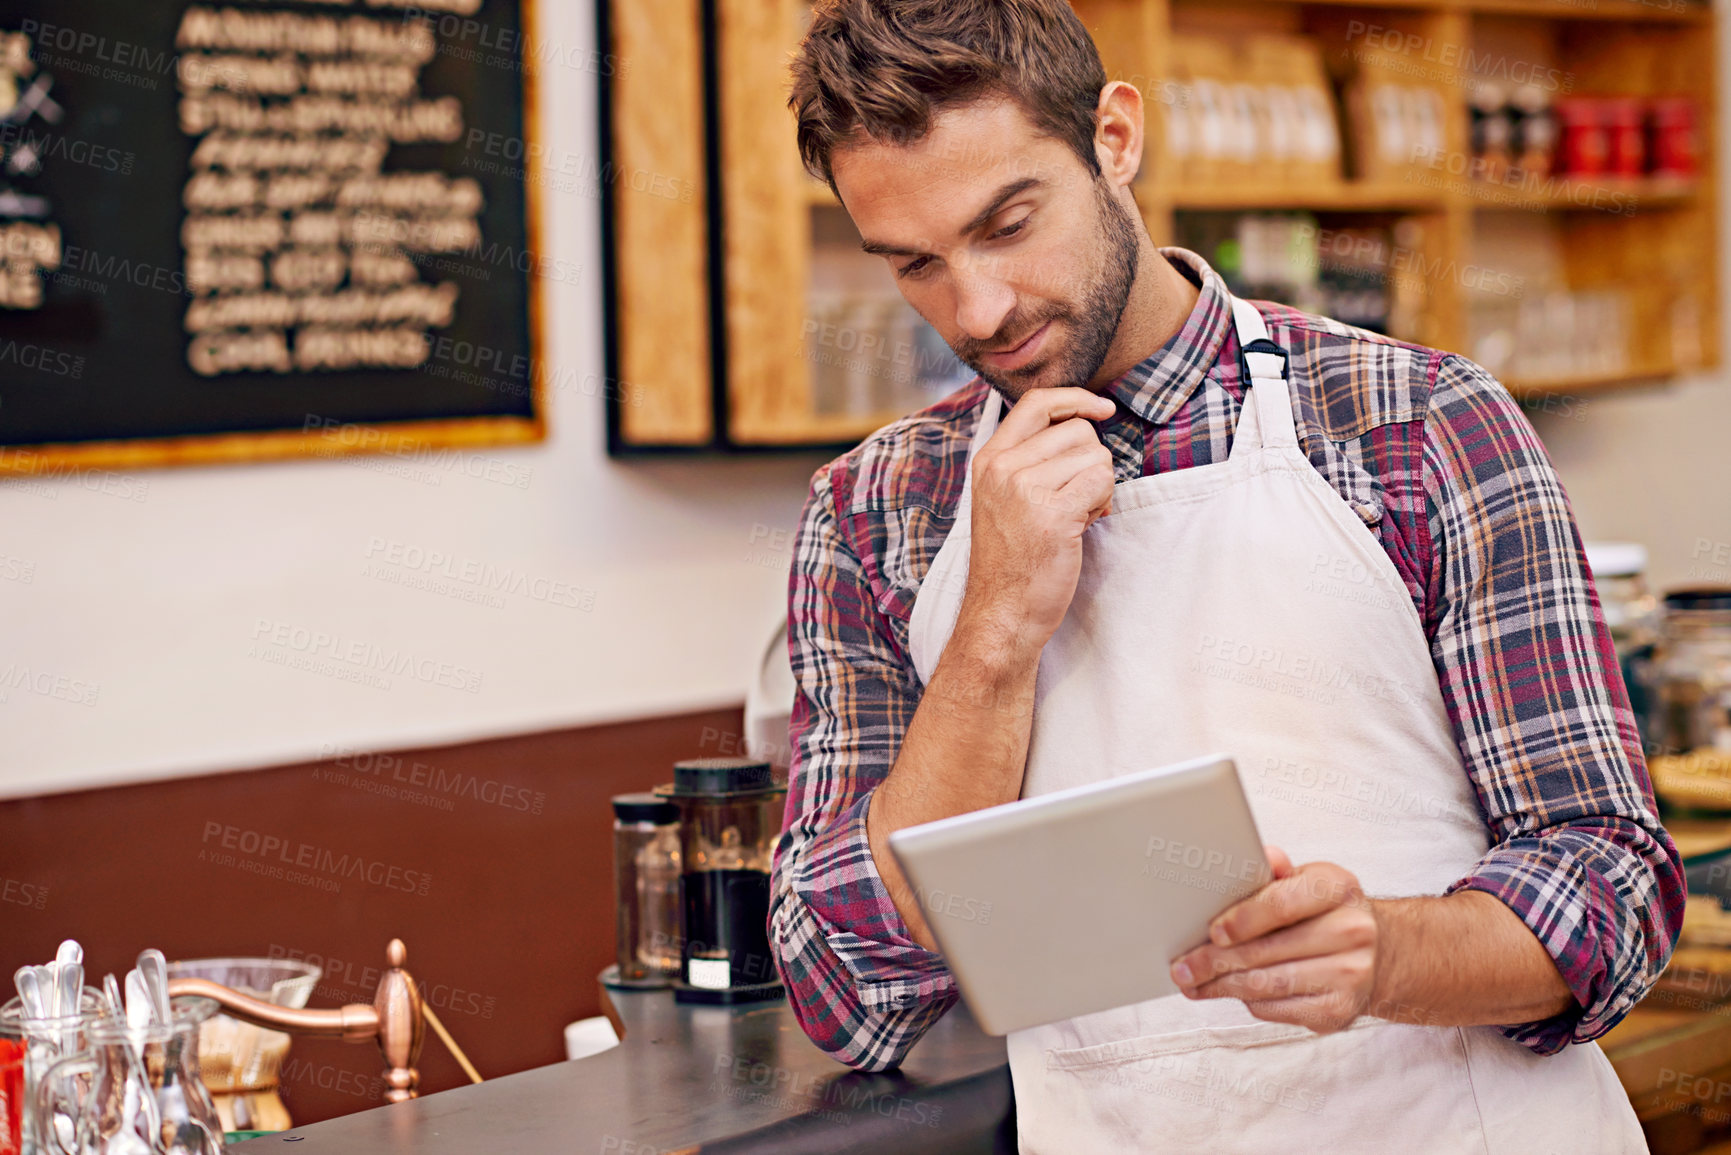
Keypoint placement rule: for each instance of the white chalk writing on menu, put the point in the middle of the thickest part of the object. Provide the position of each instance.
(300, 249)
(29, 240)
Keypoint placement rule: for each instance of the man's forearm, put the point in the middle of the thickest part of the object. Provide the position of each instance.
(965, 748)
(1465, 959)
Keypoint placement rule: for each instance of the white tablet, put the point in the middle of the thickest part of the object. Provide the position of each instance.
(1077, 901)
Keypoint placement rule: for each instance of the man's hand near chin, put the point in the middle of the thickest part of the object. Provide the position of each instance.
(1309, 948)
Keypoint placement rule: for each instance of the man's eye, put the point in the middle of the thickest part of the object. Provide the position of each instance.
(1009, 230)
(912, 268)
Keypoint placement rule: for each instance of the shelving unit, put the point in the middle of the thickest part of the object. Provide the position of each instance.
(1654, 242)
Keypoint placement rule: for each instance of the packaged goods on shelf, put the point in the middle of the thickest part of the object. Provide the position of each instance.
(869, 353)
(1673, 150)
(1560, 335)
(1396, 127)
(1221, 129)
(1298, 139)
(1618, 138)
(1209, 137)
(1534, 121)
(1357, 275)
(1492, 130)
(1513, 128)
(872, 354)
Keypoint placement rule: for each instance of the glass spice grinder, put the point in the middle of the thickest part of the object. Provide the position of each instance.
(646, 899)
(729, 820)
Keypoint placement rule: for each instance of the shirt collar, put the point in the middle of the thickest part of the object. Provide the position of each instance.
(1157, 387)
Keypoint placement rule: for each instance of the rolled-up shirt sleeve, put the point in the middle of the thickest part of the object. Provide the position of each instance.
(861, 988)
(1530, 677)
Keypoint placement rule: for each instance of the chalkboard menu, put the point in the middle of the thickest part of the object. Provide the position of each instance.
(264, 227)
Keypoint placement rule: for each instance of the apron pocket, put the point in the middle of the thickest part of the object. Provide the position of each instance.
(1149, 1047)
(1569, 1103)
(1373, 1088)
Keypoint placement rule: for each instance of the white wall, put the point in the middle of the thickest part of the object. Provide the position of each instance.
(155, 603)
(1653, 466)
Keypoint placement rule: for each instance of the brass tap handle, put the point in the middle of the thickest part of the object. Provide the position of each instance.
(402, 1025)
(395, 1018)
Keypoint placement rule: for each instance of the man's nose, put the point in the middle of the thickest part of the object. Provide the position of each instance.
(983, 299)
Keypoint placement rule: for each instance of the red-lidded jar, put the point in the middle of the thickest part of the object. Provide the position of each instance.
(1674, 151)
(1586, 143)
(1625, 141)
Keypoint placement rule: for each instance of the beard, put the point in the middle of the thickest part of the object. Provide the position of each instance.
(1090, 323)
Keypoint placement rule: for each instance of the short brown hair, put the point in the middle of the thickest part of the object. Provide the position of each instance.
(881, 68)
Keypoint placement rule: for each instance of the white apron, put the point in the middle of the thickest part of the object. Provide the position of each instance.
(1243, 607)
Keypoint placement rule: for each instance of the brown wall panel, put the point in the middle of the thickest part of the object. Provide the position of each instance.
(510, 839)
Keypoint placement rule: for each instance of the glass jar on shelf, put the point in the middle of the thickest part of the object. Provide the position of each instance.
(1688, 678)
(826, 312)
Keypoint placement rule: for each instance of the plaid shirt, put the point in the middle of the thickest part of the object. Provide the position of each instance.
(1439, 462)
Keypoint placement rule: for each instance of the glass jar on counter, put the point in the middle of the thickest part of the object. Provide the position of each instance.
(1688, 678)
(646, 881)
(1631, 614)
(730, 813)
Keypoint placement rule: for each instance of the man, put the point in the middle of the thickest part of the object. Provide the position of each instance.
(1161, 523)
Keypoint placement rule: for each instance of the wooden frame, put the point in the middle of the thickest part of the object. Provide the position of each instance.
(653, 120)
(395, 437)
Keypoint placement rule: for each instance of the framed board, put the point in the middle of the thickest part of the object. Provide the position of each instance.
(242, 229)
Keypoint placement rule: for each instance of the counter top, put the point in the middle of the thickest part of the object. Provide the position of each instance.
(690, 1079)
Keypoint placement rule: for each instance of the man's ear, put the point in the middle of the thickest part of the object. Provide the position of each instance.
(1118, 135)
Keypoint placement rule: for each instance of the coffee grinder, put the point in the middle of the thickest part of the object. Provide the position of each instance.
(729, 819)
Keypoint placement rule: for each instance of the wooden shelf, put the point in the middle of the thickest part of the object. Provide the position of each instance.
(1634, 11)
(1580, 194)
(1654, 242)
(1344, 196)
(1535, 388)
(1631, 11)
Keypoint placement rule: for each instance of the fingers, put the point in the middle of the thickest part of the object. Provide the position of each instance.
(1324, 1013)
(1049, 442)
(1279, 862)
(1077, 480)
(1091, 489)
(1330, 974)
(1343, 930)
(1306, 892)
(1039, 408)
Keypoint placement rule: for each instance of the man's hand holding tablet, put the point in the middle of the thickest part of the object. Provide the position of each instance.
(1300, 950)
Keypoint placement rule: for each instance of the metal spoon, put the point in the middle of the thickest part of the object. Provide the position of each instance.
(69, 990)
(155, 970)
(70, 996)
(68, 983)
(29, 986)
(48, 982)
(139, 1013)
(140, 1009)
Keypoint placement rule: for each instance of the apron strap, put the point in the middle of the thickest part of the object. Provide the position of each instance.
(990, 411)
(1263, 366)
